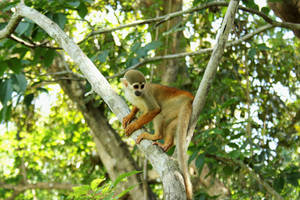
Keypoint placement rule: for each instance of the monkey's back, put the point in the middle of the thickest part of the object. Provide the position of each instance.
(169, 92)
(171, 99)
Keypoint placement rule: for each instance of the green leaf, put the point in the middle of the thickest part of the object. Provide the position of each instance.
(153, 45)
(43, 90)
(228, 170)
(5, 113)
(262, 47)
(60, 19)
(81, 190)
(22, 28)
(6, 89)
(233, 145)
(28, 99)
(196, 2)
(125, 191)
(136, 46)
(252, 53)
(103, 55)
(48, 57)
(74, 4)
(235, 154)
(82, 10)
(265, 10)
(200, 162)
(279, 184)
(15, 65)
(212, 149)
(251, 4)
(96, 182)
(293, 178)
(141, 53)
(19, 82)
(123, 176)
(3, 67)
(193, 156)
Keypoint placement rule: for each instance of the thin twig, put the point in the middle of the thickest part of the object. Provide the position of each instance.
(31, 44)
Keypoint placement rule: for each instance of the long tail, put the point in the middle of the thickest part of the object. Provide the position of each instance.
(182, 128)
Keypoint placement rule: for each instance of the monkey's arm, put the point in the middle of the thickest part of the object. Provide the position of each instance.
(141, 121)
(129, 117)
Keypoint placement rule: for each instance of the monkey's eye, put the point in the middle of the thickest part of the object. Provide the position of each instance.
(142, 86)
(136, 86)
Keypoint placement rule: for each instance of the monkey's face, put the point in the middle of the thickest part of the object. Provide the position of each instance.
(138, 88)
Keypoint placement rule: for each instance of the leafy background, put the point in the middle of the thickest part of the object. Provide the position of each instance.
(250, 121)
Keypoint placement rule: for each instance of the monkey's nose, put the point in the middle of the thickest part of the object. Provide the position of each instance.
(137, 93)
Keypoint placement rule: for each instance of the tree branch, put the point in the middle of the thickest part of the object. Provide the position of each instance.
(30, 44)
(11, 26)
(40, 185)
(212, 66)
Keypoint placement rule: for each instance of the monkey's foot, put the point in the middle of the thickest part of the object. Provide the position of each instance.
(165, 147)
(139, 139)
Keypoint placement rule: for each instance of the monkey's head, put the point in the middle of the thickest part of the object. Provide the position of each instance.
(134, 81)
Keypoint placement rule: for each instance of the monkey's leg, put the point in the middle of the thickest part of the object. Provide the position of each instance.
(158, 128)
(168, 136)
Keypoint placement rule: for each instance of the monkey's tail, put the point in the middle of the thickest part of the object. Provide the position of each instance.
(182, 128)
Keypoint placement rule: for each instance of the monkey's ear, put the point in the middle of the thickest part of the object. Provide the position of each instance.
(124, 81)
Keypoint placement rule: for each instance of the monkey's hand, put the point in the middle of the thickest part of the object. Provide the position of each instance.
(126, 120)
(130, 128)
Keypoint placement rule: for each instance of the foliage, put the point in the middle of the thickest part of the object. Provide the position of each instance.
(98, 190)
(250, 120)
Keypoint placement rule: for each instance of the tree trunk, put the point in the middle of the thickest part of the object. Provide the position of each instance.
(168, 69)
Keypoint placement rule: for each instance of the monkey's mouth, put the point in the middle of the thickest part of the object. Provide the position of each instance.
(137, 93)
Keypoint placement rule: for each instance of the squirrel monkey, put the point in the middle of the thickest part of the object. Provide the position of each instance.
(169, 108)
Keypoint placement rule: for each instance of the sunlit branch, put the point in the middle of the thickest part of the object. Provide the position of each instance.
(65, 73)
(31, 44)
